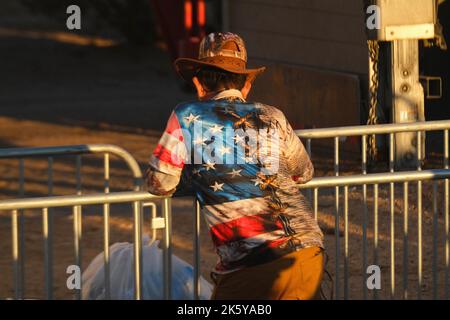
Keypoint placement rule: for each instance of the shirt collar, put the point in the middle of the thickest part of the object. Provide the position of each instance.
(227, 94)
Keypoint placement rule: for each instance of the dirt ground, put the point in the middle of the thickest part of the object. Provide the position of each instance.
(58, 92)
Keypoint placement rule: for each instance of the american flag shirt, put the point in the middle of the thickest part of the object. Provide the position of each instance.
(243, 162)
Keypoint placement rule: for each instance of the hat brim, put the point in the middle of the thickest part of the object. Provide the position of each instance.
(187, 68)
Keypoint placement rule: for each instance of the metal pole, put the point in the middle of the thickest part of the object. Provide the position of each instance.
(346, 242)
(373, 129)
(308, 150)
(47, 255)
(106, 230)
(15, 253)
(392, 217)
(196, 278)
(419, 220)
(406, 95)
(77, 221)
(137, 250)
(435, 241)
(447, 219)
(316, 197)
(336, 190)
(405, 240)
(375, 231)
(76, 244)
(364, 218)
(21, 231)
(48, 236)
(153, 215)
(167, 251)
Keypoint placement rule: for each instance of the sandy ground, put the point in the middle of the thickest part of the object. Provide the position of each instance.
(54, 93)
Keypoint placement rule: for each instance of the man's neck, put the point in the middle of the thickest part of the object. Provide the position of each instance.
(225, 94)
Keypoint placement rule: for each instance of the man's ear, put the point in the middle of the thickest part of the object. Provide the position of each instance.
(201, 92)
(247, 86)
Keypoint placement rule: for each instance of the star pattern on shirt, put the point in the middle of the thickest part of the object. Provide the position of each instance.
(225, 150)
(239, 139)
(209, 165)
(248, 159)
(235, 173)
(257, 181)
(196, 172)
(199, 141)
(217, 186)
(243, 121)
(216, 128)
(265, 182)
(191, 118)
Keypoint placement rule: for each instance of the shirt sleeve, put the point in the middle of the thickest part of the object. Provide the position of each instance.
(167, 160)
(298, 161)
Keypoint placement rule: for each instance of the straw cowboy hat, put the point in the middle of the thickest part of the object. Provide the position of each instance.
(225, 51)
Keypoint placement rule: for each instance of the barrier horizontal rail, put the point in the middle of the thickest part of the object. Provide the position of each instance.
(373, 129)
(76, 200)
(377, 178)
(7, 153)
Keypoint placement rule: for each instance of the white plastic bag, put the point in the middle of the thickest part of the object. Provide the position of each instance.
(122, 275)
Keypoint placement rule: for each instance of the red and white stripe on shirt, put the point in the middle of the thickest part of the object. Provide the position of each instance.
(169, 154)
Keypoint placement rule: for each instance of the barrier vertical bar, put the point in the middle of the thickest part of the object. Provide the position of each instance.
(106, 228)
(77, 221)
(48, 236)
(364, 218)
(375, 231)
(316, 197)
(167, 251)
(15, 253)
(419, 220)
(447, 218)
(435, 242)
(405, 240)
(21, 232)
(196, 278)
(47, 255)
(336, 172)
(308, 150)
(137, 210)
(346, 243)
(392, 215)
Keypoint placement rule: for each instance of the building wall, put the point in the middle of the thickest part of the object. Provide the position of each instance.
(316, 55)
(327, 34)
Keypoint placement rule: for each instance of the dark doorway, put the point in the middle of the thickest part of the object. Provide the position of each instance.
(436, 62)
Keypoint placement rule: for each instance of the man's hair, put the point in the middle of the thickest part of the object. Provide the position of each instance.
(213, 79)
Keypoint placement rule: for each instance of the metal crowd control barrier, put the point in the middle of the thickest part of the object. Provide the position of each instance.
(364, 132)
(390, 178)
(135, 197)
(18, 219)
(336, 182)
(140, 199)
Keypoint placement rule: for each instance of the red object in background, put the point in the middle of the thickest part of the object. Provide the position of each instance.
(182, 24)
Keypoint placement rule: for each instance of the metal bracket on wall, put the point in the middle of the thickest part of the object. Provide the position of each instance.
(432, 86)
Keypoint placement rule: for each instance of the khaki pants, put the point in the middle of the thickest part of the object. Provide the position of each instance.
(295, 276)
